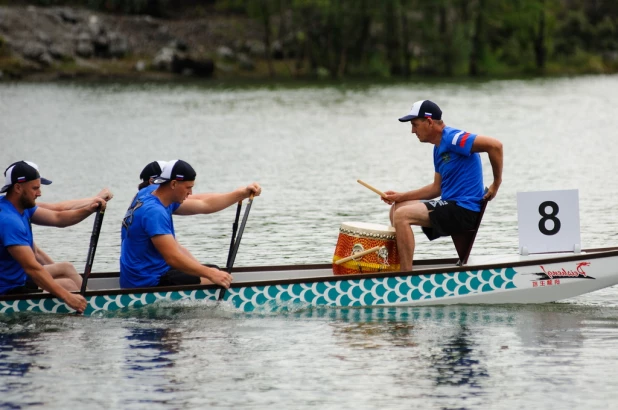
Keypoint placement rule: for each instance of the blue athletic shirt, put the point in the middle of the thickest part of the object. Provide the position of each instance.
(140, 194)
(460, 168)
(140, 262)
(15, 229)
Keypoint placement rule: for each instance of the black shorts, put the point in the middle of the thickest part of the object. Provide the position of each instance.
(448, 218)
(174, 277)
(29, 287)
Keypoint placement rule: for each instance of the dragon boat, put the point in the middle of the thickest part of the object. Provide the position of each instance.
(509, 279)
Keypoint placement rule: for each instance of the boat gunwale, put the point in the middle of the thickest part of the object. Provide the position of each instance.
(596, 254)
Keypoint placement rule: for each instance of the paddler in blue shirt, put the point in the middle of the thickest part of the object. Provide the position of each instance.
(195, 204)
(458, 181)
(150, 254)
(18, 210)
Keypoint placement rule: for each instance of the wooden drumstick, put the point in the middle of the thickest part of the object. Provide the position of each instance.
(366, 185)
(358, 255)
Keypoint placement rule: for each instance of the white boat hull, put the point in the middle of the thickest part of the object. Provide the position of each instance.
(490, 280)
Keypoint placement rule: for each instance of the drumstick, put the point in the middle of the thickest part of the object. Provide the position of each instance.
(366, 185)
(358, 255)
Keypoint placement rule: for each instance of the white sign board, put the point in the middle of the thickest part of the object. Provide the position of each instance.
(548, 221)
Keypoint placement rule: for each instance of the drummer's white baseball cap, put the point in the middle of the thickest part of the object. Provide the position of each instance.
(21, 171)
(423, 109)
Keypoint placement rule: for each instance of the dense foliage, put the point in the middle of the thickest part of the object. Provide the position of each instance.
(341, 38)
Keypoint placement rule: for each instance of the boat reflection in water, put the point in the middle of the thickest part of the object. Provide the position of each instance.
(466, 348)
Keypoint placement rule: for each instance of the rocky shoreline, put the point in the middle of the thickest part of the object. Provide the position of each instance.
(56, 43)
(65, 43)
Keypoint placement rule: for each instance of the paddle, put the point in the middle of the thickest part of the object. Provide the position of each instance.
(234, 229)
(94, 238)
(232, 256)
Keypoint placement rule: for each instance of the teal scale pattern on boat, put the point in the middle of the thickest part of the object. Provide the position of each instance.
(372, 291)
(105, 302)
(346, 292)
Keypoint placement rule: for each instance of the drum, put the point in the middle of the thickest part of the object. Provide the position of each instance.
(356, 237)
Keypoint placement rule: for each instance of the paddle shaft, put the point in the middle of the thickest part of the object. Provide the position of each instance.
(239, 237)
(232, 256)
(92, 249)
(366, 185)
(234, 229)
(358, 255)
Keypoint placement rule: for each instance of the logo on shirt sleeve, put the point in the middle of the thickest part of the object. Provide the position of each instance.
(460, 138)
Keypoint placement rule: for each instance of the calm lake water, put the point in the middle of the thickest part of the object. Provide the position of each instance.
(307, 146)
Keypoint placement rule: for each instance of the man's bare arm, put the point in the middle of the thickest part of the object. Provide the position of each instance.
(72, 204)
(26, 258)
(63, 219)
(176, 258)
(213, 202)
(430, 191)
(493, 148)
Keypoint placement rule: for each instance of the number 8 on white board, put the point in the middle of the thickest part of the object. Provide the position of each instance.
(548, 221)
(551, 216)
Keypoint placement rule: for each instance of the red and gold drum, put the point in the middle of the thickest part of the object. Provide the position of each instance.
(357, 237)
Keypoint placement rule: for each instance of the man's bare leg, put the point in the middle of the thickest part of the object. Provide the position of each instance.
(65, 274)
(68, 284)
(42, 257)
(403, 215)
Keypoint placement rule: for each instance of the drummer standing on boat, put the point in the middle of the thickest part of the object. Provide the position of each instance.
(458, 181)
(18, 210)
(149, 253)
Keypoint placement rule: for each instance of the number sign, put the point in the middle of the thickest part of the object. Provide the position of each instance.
(548, 221)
